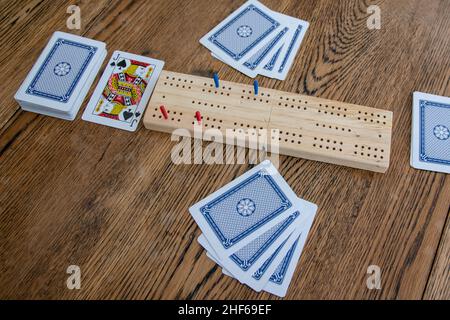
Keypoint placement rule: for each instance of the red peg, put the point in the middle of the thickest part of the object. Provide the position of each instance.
(164, 112)
(198, 116)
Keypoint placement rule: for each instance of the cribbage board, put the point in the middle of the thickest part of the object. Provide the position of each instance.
(309, 127)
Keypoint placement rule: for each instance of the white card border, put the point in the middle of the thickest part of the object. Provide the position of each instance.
(204, 40)
(415, 133)
(210, 235)
(293, 26)
(87, 114)
(281, 290)
(21, 94)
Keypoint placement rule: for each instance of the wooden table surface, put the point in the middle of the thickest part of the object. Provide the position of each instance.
(113, 203)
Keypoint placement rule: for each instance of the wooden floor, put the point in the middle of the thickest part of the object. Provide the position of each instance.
(114, 204)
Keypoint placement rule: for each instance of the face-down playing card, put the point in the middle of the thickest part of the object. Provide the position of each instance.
(61, 72)
(244, 263)
(280, 280)
(244, 209)
(430, 145)
(276, 57)
(271, 268)
(243, 33)
(255, 63)
(71, 114)
(280, 63)
(121, 95)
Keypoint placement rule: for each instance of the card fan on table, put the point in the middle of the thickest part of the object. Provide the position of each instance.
(309, 127)
(256, 40)
(255, 228)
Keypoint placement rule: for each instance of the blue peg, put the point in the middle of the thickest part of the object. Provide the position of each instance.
(256, 86)
(216, 80)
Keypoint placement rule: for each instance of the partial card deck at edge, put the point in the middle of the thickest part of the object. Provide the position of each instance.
(261, 194)
(430, 133)
(120, 98)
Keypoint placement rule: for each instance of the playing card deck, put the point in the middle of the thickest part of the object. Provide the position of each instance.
(256, 40)
(61, 77)
(255, 228)
(430, 136)
(123, 91)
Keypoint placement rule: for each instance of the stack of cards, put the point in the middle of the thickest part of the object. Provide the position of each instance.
(430, 138)
(61, 77)
(120, 98)
(256, 40)
(255, 228)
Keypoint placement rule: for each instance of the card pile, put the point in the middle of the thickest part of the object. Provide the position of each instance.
(61, 77)
(256, 40)
(255, 228)
(121, 95)
(430, 137)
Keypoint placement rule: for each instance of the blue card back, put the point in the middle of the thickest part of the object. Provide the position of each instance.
(280, 272)
(241, 34)
(246, 207)
(290, 48)
(271, 64)
(256, 59)
(260, 272)
(248, 255)
(434, 120)
(60, 73)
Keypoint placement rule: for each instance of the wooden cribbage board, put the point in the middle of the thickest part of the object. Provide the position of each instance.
(310, 128)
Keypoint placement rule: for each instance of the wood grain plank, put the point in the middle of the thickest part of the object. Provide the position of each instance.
(115, 204)
(438, 286)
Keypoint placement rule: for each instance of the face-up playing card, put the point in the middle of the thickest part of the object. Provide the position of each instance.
(243, 33)
(430, 142)
(61, 72)
(244, 209)
(122, 93)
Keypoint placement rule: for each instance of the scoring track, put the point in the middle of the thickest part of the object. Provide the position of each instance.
(309, 127)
